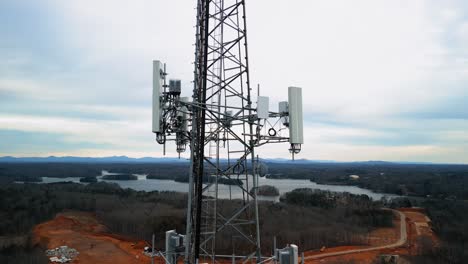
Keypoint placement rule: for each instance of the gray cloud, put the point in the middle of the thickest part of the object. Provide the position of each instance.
(382, 87)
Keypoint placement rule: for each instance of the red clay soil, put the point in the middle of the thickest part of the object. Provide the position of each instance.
(84, 233)
(419, 228)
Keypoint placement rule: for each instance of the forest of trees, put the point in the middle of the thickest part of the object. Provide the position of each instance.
(266, 190)
(120, 177)
(33, 172)
(323, 218)
(139, 214)
(435, 180)
(450, 224)
(28, 172)
(423, 180)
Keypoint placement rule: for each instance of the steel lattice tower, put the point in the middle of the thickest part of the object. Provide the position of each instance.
(223, 133)
(226, 127)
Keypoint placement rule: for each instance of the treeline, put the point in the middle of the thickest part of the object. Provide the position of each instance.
(23, 255)
(89, 179)
(120, 177)
(206, 179)
(442, 181)
(10, 172)
(138, 214)
(434, 180)
(266, 190)
(360, 208)
(56, 170)
(450, 224)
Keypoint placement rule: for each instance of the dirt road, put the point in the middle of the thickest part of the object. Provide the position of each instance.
(401, 241)
(96, 245)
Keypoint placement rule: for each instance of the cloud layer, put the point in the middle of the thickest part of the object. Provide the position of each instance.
(382, 79)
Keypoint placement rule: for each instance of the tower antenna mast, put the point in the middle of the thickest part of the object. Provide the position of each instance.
(227, 125)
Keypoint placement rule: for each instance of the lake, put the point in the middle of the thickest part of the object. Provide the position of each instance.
(227, 191)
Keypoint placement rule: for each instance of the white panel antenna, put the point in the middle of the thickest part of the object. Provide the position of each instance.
(296, 132)
(183, 114)
(222, 123)
(158, 77)
(283, 110)
(263, 105)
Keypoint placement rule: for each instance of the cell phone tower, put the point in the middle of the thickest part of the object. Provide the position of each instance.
(223, 124)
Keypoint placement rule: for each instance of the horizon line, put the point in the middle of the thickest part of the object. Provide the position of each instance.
(135, 159)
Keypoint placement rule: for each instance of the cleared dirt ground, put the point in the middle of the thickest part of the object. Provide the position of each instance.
(96, 245)
(84, 233)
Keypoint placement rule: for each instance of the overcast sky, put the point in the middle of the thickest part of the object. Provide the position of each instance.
(382, 80)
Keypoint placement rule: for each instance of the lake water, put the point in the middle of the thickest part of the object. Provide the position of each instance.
(227, 191)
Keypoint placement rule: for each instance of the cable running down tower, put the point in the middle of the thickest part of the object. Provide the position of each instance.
(223, 124)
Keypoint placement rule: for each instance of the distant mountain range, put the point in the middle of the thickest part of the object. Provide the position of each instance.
(125, 159)
(70, 159)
